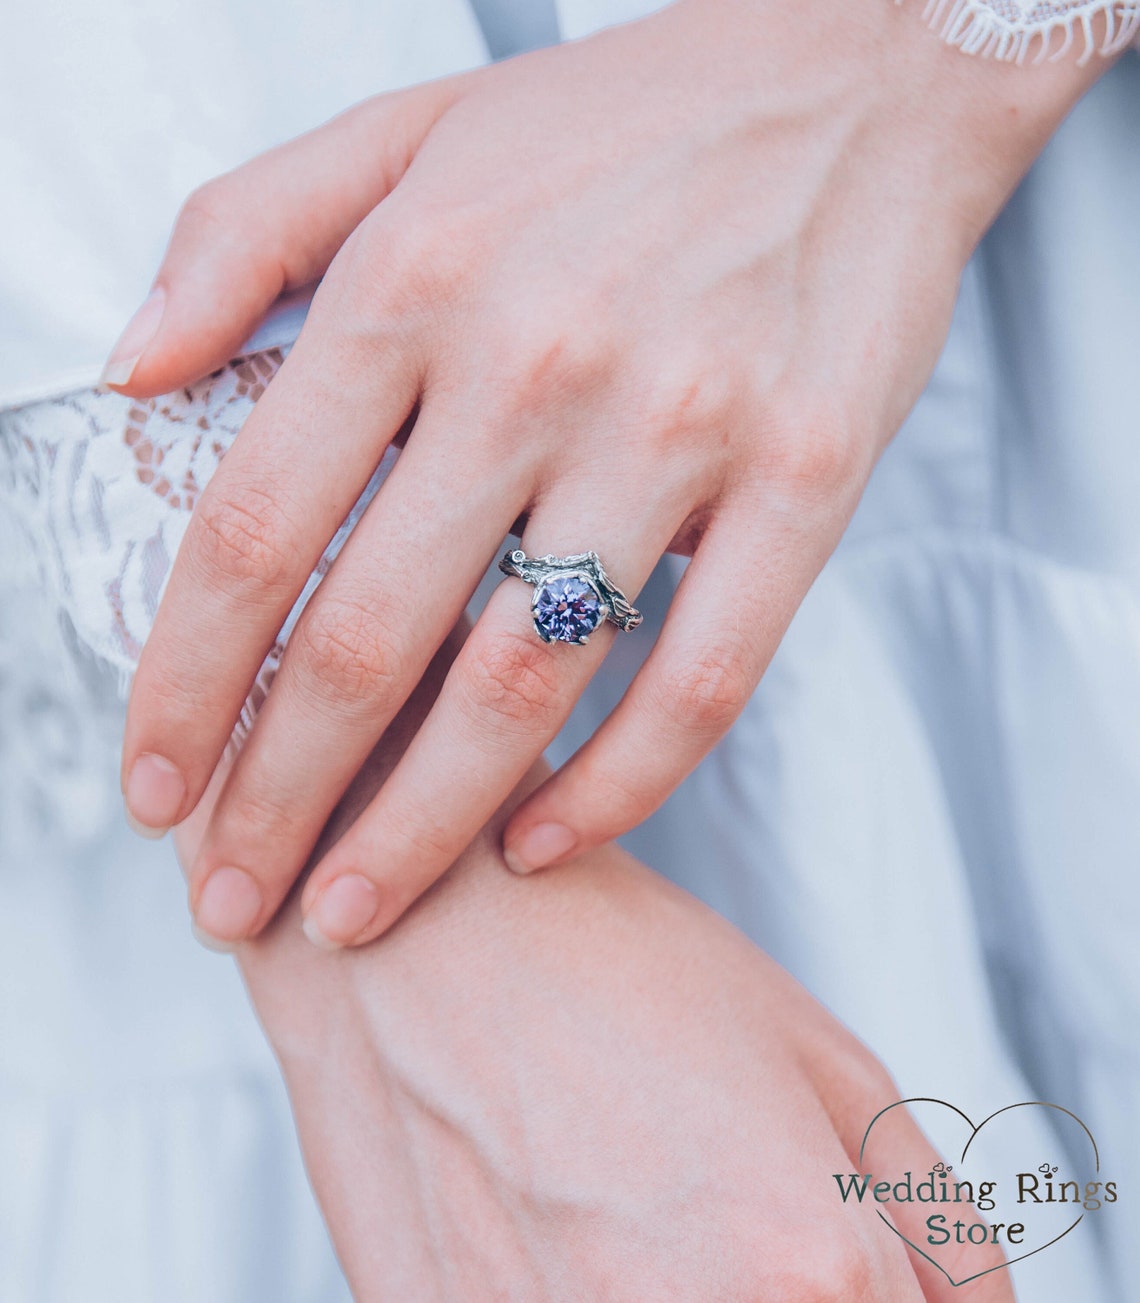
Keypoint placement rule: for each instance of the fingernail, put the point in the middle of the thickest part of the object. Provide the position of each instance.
(228, 906)
(154, 794)
(212, 943)
(341, 912)
(132, 343)
(141, 830)
(539, 846)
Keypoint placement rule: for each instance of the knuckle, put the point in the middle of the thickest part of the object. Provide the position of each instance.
(545, 344)
(707, 692)
(512, 678)
(257, 824)
(815, 457)
(628, 798)
(869, 1079)
(405, 263)
(209, 205)
(172, 696)
(690, 396)
(343, 647)
(420, 837)
(559, 362)
(838, 1270)
(863, 1075)
(529, 363)
(242, 538)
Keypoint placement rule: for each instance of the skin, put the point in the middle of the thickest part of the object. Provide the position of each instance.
(579, 1085)
(670, 288)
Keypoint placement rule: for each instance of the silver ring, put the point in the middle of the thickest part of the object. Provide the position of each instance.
(573, 595)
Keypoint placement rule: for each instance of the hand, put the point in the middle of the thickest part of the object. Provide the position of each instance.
(669, 288)
(580, 1085)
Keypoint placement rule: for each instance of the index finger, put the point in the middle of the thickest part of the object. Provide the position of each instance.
(260, 528)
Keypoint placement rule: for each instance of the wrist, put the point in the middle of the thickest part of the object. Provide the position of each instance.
(953, 131)
(992, 118)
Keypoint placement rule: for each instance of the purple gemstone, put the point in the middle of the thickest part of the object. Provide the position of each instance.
(566, 609)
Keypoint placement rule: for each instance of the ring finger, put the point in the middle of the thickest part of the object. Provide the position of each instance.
(504, 699)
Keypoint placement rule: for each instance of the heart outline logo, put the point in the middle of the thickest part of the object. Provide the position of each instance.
(974, 1130)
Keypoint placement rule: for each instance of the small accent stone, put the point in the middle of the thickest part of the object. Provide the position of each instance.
(566, 609)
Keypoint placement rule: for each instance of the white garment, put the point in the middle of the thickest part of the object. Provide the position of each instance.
(111, 113)
(147, 1152)
(1017, 29)
(926, 812)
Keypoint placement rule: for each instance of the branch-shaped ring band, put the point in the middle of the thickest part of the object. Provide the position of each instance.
(573, 595)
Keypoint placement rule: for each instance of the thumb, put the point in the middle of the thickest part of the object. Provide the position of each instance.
(272, 225)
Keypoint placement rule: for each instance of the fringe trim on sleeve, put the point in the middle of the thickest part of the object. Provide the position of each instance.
(1009, 29)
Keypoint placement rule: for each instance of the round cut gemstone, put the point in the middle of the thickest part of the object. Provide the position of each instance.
(566, 609)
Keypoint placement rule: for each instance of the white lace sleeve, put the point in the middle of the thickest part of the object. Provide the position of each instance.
(95, 494)
(1011, 29)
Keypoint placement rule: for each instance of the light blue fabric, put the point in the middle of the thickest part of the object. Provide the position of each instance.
(514, 26)
(928, 811)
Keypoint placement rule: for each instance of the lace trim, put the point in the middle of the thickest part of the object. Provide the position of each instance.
(96, 491)
(1009, 29)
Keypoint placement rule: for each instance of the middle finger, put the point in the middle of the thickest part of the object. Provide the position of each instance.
(360, 647)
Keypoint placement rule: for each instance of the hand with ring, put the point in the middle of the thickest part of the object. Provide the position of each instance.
(671, 288)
